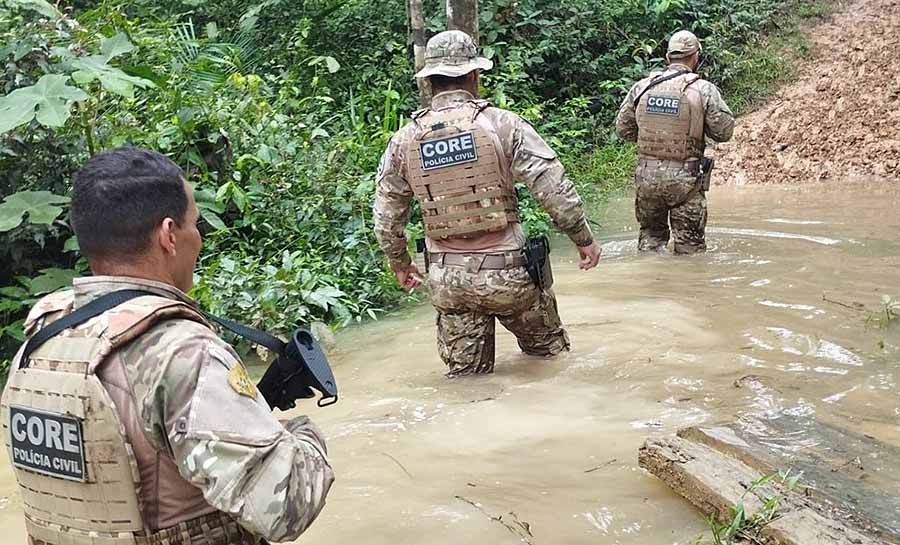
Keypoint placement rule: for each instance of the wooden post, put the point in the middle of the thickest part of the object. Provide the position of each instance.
(463, 15)
(417, 28)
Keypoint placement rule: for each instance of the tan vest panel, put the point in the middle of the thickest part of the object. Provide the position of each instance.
(463, 199)
(63, 379)
(670, 120)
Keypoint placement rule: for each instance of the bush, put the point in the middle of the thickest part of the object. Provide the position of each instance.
(278, 111)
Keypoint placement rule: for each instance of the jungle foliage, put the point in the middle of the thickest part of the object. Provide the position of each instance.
(278, 112)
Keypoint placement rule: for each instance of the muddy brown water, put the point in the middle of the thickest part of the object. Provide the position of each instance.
(659, 342)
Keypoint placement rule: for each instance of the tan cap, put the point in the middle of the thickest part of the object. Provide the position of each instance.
(683, 44)
(452, 53)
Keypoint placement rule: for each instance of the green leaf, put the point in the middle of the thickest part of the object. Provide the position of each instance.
(119, 44)
(71, 245)
(111, 78)
(41, 6)
(239, 196)
(206, 200)
(61, 52)
(16, 330)
(324, 297)
(213, 219)
(13, 292)
(49, 100)
(40, 206)
(52, 280)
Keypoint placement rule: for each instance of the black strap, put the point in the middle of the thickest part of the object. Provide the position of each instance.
(656, 82)
(255, 336)
(111, 300)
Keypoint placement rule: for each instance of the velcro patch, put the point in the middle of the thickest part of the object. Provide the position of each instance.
(47, 443)
(663, 105)
(240, 381)
(448, 151)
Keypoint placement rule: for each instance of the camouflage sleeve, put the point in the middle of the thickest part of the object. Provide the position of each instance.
(271, 478)
(392, 207)
(626, 121)
(719, 119)
(535, 164)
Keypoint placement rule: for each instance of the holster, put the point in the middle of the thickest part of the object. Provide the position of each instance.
(705, 175)
(537, 262)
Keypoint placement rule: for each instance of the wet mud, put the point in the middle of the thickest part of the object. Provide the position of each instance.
(545, 450)
(840, 118)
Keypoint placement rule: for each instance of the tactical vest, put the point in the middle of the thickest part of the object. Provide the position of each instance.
(670, 118)
(453, 166)
(73, 453)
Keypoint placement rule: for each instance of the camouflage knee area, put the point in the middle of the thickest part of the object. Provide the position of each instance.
(652, 214)
(689, 225)
(466, 342)
(538, 329)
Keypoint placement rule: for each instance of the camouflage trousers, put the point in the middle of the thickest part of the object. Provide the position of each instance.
(667, 193)
(468, 303)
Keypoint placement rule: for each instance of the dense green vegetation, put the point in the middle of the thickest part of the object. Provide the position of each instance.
(278, 111)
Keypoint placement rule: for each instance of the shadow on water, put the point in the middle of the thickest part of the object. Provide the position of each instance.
(659, 342)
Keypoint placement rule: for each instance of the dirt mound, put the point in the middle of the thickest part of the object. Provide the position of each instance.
(840, 119)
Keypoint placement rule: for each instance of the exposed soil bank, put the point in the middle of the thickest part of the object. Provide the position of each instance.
(840, 119)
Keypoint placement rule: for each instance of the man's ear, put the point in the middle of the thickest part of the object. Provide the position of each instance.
(167, 237)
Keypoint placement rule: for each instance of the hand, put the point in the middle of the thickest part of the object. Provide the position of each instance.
(409, 278)
(590, 255)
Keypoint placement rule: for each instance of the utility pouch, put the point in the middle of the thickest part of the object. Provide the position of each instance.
(706, 167)
(537, 262)
(422, 248)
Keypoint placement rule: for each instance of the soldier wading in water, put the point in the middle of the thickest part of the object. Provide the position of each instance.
(670, 114)
(460, 158)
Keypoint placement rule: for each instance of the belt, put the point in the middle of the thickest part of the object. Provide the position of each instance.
(506, 260)
(216, 528)
(692, 165)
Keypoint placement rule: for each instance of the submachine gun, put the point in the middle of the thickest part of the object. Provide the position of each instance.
(299, 370)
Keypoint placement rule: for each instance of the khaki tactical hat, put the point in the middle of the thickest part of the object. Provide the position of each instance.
(452, 53)
(683, 44)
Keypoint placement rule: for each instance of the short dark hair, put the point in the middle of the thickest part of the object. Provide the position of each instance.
(439, 81)
(120, 196)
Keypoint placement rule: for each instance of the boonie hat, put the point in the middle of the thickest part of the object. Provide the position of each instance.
(452, 53)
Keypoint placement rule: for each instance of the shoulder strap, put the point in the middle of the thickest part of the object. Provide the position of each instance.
(255, 336)
(79, 316)
(655, 82)
(111, 300)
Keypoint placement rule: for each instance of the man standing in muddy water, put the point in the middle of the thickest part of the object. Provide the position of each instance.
(141, 425)
(669, 114)
(460, 158)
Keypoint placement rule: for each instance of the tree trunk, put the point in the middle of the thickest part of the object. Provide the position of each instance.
(417, 28)
(463, 15)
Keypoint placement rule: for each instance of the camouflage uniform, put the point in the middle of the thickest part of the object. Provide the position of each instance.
(668, 190)
(468, 298)
(271, 478)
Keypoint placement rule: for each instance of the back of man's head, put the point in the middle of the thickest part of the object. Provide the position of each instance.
(120, 197)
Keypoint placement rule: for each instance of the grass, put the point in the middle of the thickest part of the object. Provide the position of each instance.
(743, 527)
(764, 65)
(772, 60)
(887, 314)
